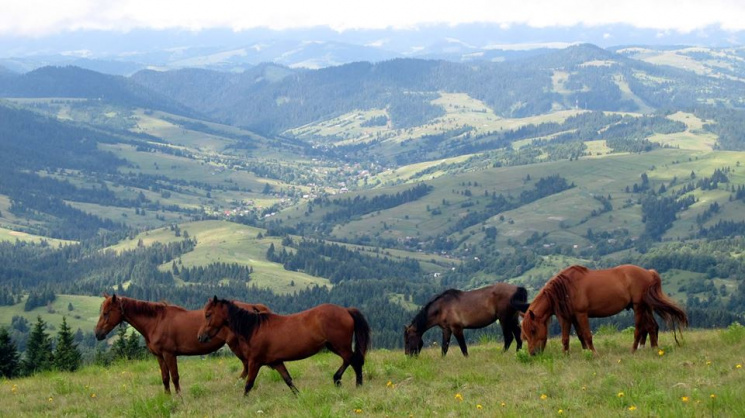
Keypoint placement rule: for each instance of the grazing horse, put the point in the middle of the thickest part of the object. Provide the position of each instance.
(271, 339)
(455, 310)
(169, 331)
(577, 294)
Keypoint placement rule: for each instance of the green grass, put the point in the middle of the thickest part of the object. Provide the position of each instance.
(700, 378)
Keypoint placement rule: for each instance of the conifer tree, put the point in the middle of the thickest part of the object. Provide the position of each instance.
(9, 357)
(67, 357)
(120, 345)
(39, 356)
(134, 349)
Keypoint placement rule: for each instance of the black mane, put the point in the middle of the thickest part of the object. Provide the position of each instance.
(420, 320)
(241, 321)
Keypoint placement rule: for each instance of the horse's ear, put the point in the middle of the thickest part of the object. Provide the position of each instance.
(532, 315)
(106, 294)
(113, 297)
(521, 314)
(214, 300)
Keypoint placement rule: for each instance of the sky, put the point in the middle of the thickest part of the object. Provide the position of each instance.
(39, 18)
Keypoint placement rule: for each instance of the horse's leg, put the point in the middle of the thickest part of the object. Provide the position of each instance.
(639, 324)
(172, 362)
(236, 349)
(164, 375)
(253, 371)
(458, 332)
(579, 335)
(280, 367)
(653, 330)
(583, 321)
(346, 357)
(566, 327)
(445, 340)
(506, 333)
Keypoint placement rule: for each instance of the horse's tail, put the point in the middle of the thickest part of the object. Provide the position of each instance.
(519, 300)
(361, 336)
(663, 306)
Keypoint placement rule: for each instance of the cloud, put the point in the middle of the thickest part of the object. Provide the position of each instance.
(42, 17)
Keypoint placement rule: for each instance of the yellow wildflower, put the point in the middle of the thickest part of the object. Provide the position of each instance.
(739, 366)
(458, 397)
(620, 394)
(51, 399)
(661, 352)
(684, 398)
(632, 408)
(713, 396)
(479, 406)
(561, 411)
(358, 411)
(544, 396)
(389, 384)
(93, 395)
(503, 404)
(708, 362)
(584, 387)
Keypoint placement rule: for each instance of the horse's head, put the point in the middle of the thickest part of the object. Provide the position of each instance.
(111, 316)
(535, 331)
(412, 341)
(215, 317)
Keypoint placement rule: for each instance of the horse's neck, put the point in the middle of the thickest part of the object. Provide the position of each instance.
(143, 323)
(542, 306)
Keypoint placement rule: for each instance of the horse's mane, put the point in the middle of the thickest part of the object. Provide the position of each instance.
(558, 293)
(420, 320)
(136, 307)
(241, 321)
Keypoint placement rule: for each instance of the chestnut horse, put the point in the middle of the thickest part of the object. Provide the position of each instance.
(577, 294)
(169, 331)
(271, 339)
(455, 310)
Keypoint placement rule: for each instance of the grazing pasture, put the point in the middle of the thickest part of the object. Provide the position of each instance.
(703, 377)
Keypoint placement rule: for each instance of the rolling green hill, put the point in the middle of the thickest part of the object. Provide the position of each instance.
(377, 185)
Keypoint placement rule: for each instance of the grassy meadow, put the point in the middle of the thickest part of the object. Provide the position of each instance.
(702, 377)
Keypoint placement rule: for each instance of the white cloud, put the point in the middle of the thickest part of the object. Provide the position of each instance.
(38, 17)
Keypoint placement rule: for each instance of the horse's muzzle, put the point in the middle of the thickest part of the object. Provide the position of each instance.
(203, 338)
(100, 335)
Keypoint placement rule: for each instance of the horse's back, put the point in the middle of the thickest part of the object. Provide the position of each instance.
(608, 291)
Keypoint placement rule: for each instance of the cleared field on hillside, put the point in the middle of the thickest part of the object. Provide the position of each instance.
(227, 242)
(84, 314)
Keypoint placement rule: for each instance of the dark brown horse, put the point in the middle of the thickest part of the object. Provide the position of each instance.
(169, 331)
(455, 310)
(271, 339)
(577, 294)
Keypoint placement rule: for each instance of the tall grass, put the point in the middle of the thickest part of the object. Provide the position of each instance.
(703, 377)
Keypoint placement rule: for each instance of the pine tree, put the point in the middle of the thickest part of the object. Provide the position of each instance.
(120, 345)
(67, 357)
(9, 357)
(39, 356)
(134, 349)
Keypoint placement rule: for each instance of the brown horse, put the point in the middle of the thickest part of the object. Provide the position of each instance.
(169, 331)
(455, 310)
(577, 294)
(271, 339)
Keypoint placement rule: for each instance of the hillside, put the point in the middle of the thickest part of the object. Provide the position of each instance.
(374, 184)
(703, 377)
